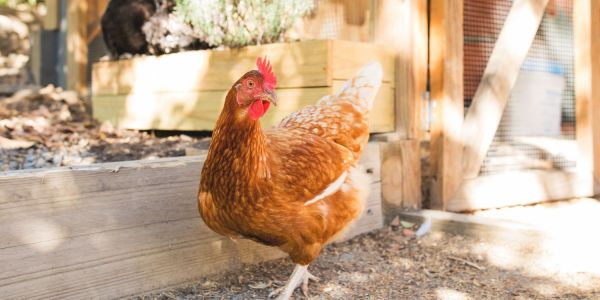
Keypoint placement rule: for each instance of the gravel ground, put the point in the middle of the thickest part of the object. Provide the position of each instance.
(388, 265)
(48, 127)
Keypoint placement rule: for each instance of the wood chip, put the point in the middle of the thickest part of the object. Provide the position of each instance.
(260, 285)
(471, 264)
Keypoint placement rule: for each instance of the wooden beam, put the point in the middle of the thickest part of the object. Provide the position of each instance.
(587, 79)
(446, 71)
(199, 110)
(298, 64)
(418, 68)
(499, 77)
(52, 17)
(116, 229)
(77, 48)
(400, 176)
(402, 26)
(520, 188)
(583, 82)
(595, 96)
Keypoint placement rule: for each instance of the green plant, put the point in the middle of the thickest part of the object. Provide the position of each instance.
(13, 3)
(237, 23)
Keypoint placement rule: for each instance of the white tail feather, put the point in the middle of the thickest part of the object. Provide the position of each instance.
(366, 83)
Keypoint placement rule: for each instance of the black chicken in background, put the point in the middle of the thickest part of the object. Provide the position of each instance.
(122, 26)
(146, 27)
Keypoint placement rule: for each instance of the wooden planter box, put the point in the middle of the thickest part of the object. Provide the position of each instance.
(186, 91)
(110, 230)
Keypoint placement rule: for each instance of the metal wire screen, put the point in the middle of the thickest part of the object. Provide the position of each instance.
(537, 130)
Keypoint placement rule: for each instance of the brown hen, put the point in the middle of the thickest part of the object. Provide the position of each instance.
(294, 186)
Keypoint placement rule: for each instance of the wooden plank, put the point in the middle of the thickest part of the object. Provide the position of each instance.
(190, 110)
(372, 216)
(115, 229)
(595, 96)
(446, 75)
(417, 74)
(400, 176)
(500, 75)
(520, 188)
(402, 26)
(345, 62)
(52, 17)
(583, 83)
(300, 64)
(587, 84)
(35, 36)
(200, 110)
(77, 49)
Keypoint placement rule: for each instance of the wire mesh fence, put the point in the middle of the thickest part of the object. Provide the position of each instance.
(537, 130)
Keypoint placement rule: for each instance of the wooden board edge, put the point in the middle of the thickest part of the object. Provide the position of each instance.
(521, 188)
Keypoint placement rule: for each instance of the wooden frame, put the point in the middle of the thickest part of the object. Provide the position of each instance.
(116, 229)
(457, 154)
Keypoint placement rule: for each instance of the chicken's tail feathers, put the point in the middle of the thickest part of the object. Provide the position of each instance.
(365, 84)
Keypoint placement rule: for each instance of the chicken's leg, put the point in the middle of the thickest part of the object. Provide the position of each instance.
(300, 276)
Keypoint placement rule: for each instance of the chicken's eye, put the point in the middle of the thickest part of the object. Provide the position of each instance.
(250, 83)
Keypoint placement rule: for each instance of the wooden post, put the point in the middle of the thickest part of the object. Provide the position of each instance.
(586, 18)
(402, 25)
(400, 176)
(96, 9)
(77, 49)
(446, 71)
(52, 17)
(595, 65)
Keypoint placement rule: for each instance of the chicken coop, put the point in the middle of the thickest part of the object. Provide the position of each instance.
(484, 104)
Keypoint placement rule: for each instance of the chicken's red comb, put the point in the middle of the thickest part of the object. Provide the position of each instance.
(265, 69)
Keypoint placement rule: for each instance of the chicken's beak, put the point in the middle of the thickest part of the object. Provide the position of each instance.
(269, 95)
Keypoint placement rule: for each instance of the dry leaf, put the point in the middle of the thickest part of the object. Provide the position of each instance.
(9, 144)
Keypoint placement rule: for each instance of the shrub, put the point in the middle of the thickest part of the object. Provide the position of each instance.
(237, 23)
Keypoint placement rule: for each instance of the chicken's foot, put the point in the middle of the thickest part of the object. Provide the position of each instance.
(299, 278)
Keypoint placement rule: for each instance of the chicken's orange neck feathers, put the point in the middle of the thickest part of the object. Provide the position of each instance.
(238, 149)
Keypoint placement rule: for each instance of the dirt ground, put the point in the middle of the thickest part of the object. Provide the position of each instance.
(388, 265)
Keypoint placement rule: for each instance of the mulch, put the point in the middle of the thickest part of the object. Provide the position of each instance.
(386, 264)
